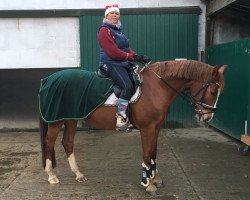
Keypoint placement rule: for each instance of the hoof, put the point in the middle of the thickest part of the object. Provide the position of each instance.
(81, 179)
(53, 180)
(152, 193)
(159, 184)
(151, 189)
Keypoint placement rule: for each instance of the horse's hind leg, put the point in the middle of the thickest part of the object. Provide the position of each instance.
(68, 144)
(52, 133)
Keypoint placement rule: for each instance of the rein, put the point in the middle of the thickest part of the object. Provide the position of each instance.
(189, 98)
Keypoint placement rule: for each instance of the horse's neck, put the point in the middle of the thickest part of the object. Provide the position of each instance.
(158, 91)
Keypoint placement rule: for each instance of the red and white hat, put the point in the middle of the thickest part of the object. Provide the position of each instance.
(112, 8)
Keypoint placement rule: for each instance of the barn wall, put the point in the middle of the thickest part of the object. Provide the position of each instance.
(228, 26)
(39, 43)
(227, 21)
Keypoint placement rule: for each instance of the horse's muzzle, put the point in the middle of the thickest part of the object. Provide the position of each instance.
(204, 116)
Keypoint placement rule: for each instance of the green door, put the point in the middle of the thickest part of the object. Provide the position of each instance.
(233, 106)
(163, 35)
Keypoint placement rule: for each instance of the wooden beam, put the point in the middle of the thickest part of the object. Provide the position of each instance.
(217, 5)
(245, 139)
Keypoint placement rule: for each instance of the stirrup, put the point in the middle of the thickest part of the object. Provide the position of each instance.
(121, 123)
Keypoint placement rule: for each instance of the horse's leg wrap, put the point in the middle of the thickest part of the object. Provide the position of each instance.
(157, 181)
(153, 168)
(146, 175)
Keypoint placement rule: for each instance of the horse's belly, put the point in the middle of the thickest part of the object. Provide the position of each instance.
(103, 118)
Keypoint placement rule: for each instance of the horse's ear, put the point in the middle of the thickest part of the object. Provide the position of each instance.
(222, 69)
(215, 70)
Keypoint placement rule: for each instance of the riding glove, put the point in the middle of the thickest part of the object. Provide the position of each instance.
(142, 59)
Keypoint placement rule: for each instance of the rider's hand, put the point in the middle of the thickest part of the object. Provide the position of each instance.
(130, 55)
(142, 59)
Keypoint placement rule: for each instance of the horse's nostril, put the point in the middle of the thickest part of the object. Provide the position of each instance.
(208, 118)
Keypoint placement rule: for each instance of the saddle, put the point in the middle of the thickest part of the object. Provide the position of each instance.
(135, 78)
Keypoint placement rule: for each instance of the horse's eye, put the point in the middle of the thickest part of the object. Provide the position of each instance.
(213, 93)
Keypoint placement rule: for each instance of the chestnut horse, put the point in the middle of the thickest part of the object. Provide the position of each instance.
(162, 82)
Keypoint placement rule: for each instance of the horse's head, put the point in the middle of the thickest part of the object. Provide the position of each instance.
(205, 95)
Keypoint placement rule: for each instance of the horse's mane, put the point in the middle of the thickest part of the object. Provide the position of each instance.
(187, 69)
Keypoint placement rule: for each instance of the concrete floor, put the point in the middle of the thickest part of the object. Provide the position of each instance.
(197, 163)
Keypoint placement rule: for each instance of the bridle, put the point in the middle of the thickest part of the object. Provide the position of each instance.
(190, 99)
(200, 103)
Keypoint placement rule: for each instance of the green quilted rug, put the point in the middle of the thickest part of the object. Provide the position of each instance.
(72, 94)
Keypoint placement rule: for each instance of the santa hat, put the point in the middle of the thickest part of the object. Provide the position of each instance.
(112, 8)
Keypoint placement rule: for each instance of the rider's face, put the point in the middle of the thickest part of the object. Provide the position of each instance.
(113, 17)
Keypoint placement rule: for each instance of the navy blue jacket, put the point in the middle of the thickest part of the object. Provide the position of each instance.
(122, 43)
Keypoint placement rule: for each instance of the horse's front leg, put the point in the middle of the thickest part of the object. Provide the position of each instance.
(148, 139)
(155, 173)
(68, 144)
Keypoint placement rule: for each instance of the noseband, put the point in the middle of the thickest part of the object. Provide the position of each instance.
(190, 99)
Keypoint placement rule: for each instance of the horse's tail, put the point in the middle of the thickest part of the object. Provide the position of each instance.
(43, 132)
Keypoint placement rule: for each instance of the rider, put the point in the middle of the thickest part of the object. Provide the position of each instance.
(115, 55)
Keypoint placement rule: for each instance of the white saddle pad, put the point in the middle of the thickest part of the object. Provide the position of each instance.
(112, 99)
